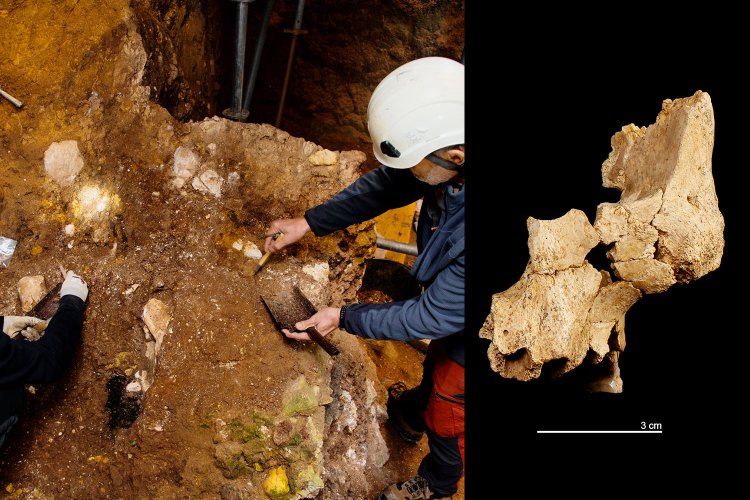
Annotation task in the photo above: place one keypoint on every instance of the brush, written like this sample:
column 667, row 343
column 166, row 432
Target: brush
column 262, row 261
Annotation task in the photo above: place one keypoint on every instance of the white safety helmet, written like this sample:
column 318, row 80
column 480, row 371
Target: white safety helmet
column 417, row 109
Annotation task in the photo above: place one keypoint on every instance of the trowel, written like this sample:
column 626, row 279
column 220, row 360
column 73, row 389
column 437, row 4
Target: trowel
column 288, row 307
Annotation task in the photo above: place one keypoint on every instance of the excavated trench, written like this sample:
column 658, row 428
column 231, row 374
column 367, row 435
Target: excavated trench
column 182, row 386
column 343, row 51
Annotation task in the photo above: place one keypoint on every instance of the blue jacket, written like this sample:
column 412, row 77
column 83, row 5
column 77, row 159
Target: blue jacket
column 438, row 313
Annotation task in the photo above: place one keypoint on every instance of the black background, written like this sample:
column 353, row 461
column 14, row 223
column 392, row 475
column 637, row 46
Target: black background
column 546, row 90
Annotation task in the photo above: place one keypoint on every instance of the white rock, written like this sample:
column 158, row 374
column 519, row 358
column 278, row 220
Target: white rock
column 237, row 245
column 209, row 182
column 323, row 157
column 134, row 386
column 156, row 316
column 252, row 251
column 211, row 148
column 144, row 378
column 63, row 162
column 318, row 271
column 185, row 164
column 348, row 412
column 233, row 179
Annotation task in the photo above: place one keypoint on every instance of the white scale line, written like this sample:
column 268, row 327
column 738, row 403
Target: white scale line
column 599, row 432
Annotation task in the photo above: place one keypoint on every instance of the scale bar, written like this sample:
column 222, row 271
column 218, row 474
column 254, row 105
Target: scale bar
column 599, row 432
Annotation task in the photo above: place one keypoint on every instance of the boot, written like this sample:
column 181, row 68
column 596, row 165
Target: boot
column 404, row 412
column 415, row 488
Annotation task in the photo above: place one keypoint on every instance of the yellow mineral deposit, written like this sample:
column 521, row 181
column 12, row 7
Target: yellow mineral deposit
column 276, row 484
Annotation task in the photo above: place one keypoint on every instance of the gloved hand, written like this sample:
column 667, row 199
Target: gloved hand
column 74, row 285
column 25, row 325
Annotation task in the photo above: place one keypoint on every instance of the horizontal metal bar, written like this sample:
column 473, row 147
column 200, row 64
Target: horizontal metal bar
column 396, row 246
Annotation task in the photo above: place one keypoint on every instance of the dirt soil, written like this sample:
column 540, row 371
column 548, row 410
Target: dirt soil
column 232, row 402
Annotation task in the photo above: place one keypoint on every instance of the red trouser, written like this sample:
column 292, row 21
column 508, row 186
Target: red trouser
column 443, row 467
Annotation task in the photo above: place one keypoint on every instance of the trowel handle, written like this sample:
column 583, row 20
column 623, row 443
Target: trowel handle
column 321, row 340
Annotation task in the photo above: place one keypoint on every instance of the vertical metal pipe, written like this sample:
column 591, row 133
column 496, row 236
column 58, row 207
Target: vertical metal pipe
column 256, row 57
column 295, row 33
column 298, row 15
column 239, row 60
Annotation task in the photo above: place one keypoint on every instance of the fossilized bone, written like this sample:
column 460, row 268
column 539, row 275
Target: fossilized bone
column 665, row 229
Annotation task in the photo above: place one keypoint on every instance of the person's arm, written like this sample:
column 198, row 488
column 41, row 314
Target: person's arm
column 437, row 313
column 43, row 361
column 369, row 196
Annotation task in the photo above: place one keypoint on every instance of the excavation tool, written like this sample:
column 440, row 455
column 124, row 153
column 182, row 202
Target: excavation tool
column 288, row 307
column 47, row 306
column 262, row 261
column 12, row 99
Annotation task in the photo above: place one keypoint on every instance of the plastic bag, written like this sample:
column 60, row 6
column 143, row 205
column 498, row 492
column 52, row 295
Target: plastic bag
column 7, row 247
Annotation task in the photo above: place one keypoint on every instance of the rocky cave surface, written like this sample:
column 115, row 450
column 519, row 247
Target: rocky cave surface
column 665, row 230
column 345, row 48
column 182, row 386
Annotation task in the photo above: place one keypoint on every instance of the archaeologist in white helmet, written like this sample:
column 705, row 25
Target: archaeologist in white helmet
column 27, row 359
column 416, row 123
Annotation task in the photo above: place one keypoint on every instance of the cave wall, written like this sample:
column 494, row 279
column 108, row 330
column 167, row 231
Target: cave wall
column 350, row 47
column 182, row 39
column 346, row 49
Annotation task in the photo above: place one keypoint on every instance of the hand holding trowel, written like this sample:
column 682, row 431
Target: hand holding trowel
column 288, row 308
column 290, row 230
column 275, row 236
